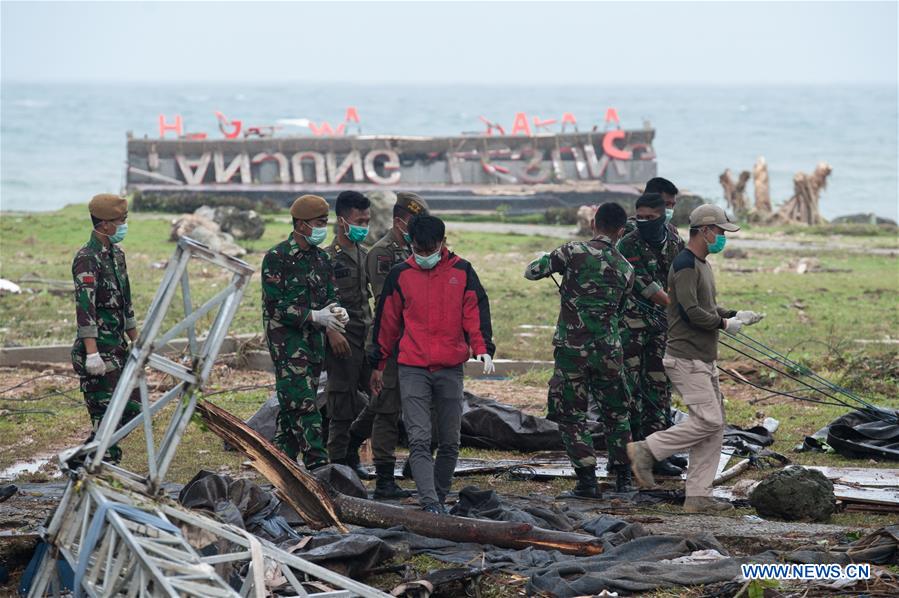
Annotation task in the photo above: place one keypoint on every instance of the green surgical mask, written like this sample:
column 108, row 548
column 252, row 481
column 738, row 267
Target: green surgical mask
column 120, row 232
column 427, row 262
column 357, row 234
column 718, row 245
column 669, row 214
column 318, row 235
column 407, row 238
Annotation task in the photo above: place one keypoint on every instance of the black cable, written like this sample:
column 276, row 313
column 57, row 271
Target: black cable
column 777, row 392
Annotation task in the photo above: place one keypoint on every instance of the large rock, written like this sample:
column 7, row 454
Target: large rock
column 382, row 203
column 794, row 493
column 863, row 219
column 241, row 224
column 584, row 220
column 207, row 232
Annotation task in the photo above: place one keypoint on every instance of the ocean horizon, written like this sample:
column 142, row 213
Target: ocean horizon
column 63, row 142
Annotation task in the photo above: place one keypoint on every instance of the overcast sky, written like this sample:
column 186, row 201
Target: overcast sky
column 496, row 43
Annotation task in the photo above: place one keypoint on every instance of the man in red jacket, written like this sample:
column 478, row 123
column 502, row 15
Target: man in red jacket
column 434, row 314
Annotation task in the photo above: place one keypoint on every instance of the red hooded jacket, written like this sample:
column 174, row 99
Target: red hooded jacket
column 433, row 319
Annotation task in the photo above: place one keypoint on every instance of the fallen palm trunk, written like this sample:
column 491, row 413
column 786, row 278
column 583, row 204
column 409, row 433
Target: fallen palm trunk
column 319, row 509
column 303, row 492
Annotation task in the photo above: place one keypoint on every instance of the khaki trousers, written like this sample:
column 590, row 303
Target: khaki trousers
column 702, row 433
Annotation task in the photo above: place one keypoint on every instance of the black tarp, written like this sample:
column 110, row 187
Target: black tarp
column 860, row 435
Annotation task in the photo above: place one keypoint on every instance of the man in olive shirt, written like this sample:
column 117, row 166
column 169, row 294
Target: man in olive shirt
column 345, row 357
column 380, row 420
column 694, row 319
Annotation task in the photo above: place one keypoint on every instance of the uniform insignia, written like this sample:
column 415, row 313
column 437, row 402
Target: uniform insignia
column 87, row 279
column 384, row 264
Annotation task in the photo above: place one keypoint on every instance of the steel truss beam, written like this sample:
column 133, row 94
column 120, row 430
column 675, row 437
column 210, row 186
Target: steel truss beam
column 113, row 526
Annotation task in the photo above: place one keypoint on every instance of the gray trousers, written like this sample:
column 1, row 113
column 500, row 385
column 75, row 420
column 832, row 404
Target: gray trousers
column 420, row 390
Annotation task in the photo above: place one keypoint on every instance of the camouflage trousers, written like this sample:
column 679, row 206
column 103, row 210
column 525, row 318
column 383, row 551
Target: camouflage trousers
column 649, row 386
column 299, row 420
column 98, row 390
column 581, row 376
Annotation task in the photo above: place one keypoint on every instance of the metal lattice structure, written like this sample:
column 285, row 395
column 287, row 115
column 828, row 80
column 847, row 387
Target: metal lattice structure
column 114, row 527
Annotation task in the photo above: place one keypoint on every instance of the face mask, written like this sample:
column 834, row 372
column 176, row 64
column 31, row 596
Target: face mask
column 718, row 245
column 318, row 235
column 356, row 234
column 426, row 262
column 669, row 214
column 120, row 232
column 407, row 238
column 652, row 231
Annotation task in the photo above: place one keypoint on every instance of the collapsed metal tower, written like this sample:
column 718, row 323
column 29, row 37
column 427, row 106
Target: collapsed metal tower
column 116, row 528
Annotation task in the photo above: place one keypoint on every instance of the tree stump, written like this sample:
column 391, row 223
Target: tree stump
column 802, row 208
column 735, row 192
column 761, row 190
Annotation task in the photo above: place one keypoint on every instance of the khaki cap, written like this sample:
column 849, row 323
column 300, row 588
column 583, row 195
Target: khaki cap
column 709, row 214
column 309, row 207
column 412, row 202
column 108, row 206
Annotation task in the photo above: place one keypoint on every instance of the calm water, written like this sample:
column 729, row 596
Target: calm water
column 62, row 143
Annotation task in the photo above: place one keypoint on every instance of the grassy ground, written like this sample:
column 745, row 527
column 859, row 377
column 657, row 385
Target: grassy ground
column 818, row 318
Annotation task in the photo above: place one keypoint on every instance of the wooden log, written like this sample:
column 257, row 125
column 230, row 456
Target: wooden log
column 505, row 534
column 735, row 192
column 321, row 507
column 760, row 188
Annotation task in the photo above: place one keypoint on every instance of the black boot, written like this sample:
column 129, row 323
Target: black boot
column 623, row 480
column 386, row 486
column 352, row 457
column 666, row 467
column 586, row 486
column 678, row 461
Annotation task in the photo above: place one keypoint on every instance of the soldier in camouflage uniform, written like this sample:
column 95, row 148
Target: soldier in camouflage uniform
column 650, row 249
column 588, row 356
column 380, row 420
column 298, row 303
column 345, row 360
column 104, row 313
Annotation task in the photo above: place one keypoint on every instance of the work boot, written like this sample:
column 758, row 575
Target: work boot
column 385, row 485
column 352, row 460
column 623, row 480
column 678, row 461
column 586, row 486
column 641, row 463
column 667, row 468
column 707, row 505
column 434, row 507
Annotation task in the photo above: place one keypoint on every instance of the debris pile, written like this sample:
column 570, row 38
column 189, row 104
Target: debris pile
column 794, row 493
column 240, row 224
column 207, row 232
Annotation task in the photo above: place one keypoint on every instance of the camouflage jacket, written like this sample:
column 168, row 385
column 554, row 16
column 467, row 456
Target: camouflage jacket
column 293, row 283
column 596, row 280
column 351, row 280
column 102, row 294
column 651, row 265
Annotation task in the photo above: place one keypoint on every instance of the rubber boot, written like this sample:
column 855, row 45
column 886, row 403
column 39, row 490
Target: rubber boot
column 667, row 468
column 623, row 480
column 352, row 457
column 385, row 484
column 678, row 461
column 586, row 486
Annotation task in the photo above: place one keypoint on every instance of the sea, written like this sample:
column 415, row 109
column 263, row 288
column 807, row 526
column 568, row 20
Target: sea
column 63, row 142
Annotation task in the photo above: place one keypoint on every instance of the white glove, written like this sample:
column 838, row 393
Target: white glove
column 733, row 325
column 489, row 368
column 342, row 316
column 749, row 317
column 326, row 317
column 94, row 364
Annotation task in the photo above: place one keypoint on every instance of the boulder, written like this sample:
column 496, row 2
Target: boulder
column 584, row 220
column 863, row 219
column 207, row 232
column 382, row 203
column 241, row 224
column 794, row 493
